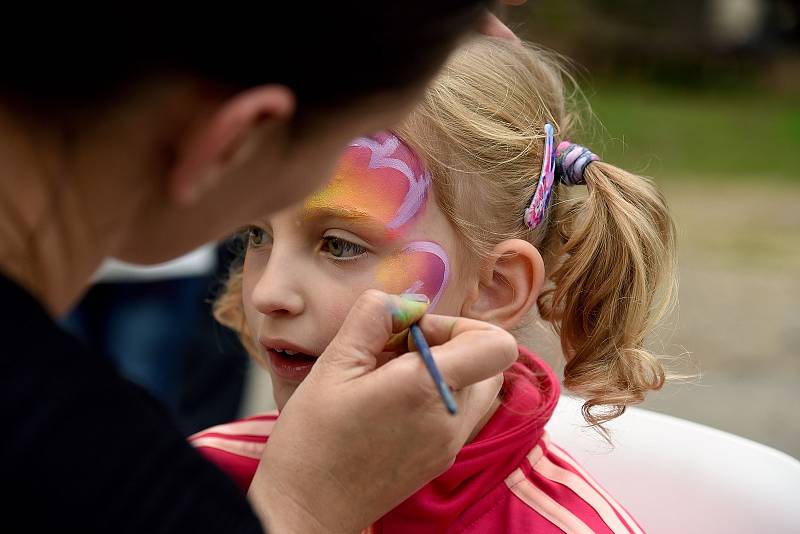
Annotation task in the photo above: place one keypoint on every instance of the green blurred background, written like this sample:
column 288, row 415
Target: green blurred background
column 704, row 96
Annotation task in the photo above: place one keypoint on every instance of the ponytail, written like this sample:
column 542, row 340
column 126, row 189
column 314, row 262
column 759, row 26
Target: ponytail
column 614, row 281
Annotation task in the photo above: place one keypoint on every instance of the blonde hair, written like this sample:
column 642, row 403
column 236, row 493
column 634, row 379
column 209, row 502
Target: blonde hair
column 609, row 255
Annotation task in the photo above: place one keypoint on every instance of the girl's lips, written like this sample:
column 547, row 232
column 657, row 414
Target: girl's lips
column 294, row 368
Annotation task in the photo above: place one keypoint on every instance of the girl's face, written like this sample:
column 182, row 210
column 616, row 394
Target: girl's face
column 375, row 225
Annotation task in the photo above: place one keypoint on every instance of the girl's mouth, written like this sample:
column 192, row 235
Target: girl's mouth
column 289, row 364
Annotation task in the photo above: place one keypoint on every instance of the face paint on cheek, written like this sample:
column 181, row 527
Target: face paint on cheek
column 421, row 267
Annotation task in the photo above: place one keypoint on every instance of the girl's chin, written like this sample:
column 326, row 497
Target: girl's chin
column 282, row 393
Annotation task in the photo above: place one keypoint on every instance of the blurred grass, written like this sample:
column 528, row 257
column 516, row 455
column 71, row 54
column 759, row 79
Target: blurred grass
column 675, row 134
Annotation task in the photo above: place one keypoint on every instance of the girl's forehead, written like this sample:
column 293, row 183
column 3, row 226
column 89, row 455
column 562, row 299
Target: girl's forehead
column 379, row 175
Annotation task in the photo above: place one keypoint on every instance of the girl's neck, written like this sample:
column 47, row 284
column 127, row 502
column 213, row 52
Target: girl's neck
column 484, row 420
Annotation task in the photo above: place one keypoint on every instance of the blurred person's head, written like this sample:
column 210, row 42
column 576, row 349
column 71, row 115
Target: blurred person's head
column 438, row 206
column 156, row 131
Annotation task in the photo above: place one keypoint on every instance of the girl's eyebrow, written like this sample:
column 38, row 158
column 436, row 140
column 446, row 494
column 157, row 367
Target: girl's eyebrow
column 340, row 212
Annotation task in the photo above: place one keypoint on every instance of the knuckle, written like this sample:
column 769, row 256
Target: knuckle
column 371, row 300
column 372, row 307
column 506, row 344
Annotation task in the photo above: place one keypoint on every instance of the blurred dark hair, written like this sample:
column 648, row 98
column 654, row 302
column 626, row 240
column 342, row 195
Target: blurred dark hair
column 328, row 53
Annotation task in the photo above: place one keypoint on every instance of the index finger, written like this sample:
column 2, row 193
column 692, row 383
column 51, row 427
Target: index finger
column 439, row 329
column 467, row 351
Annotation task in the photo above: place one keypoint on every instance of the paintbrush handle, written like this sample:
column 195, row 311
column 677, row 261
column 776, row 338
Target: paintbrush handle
column 425, row 350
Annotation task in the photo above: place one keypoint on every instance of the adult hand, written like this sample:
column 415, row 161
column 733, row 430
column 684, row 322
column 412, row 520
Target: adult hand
column 355, row 440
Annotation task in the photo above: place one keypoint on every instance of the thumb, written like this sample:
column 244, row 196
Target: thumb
column 372, row 320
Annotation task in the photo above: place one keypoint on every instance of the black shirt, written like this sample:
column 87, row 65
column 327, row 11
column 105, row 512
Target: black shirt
column 84, row 450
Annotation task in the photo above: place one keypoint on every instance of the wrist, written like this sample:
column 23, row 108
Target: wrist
column 282, row 513
column 285, row 506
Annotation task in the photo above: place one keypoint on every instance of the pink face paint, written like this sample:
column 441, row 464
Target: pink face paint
column 379, row 175
column 420, row 267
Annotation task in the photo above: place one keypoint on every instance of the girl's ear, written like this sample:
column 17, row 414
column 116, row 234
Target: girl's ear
column 508, row 284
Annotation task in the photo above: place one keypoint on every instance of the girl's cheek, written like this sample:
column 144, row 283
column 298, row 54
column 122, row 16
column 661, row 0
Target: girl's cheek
column 250, row 313
column 335, row 300
column 420, row 267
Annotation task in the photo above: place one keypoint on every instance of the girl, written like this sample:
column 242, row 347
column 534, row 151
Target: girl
column 468, row 204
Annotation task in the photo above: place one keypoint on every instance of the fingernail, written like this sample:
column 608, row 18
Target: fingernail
column 416, row 297
column 407, row 311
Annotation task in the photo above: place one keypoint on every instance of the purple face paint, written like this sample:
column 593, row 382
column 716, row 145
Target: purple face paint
column 420, row 267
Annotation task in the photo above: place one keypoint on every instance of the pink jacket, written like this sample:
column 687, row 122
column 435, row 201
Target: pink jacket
column 509, row 479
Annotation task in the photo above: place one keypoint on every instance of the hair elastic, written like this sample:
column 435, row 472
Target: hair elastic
column 568, row 163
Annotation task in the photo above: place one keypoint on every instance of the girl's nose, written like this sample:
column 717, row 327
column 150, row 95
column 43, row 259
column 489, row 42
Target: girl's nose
column 276, row 292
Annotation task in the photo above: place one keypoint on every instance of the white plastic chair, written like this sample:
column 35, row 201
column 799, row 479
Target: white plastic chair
column 675, row 476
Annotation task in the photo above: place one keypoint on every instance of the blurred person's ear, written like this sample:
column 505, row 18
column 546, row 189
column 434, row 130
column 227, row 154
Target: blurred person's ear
column 492, row 26
column 224, row 137
column 508, row 284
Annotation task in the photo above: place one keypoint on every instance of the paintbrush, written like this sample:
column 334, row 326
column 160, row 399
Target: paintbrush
column 425, row 350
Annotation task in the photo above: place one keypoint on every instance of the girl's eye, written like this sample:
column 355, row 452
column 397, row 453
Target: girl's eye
column 341, row 248
column 257, row 237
